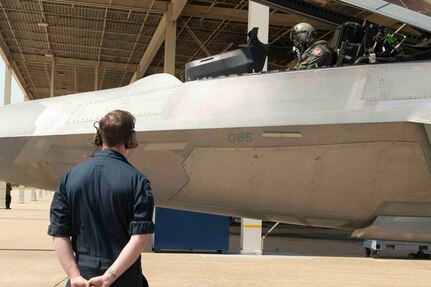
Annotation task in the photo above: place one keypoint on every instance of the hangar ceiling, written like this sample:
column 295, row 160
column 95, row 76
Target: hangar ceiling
column 101, row 44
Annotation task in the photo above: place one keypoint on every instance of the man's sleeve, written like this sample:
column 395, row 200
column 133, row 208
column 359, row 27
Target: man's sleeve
column 60, row 214
column 143, row 206
column 318, row 57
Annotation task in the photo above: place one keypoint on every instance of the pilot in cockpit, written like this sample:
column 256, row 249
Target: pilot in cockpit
column 309, row 52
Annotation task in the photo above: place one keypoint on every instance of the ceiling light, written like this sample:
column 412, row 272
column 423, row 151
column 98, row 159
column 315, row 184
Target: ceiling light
column 42, row 24
column 49, row 55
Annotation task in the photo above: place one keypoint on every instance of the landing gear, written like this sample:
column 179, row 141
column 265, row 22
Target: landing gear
column 372, row 248
column 417, row 250
column 419, row 255
column 375, row 254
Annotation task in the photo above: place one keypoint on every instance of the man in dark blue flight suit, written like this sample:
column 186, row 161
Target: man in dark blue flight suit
column 310, row 53
column 101, row 214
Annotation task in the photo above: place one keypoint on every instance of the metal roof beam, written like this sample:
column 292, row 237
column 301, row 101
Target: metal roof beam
column 70, row 28
column 63, row 44
column 141, row 5
column 65, row 16
column 72, row 37
column 17, row 57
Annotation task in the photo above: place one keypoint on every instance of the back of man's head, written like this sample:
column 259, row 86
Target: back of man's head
column 116, row 127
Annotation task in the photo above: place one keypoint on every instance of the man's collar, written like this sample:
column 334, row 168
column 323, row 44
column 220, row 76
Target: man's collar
column 111, row 153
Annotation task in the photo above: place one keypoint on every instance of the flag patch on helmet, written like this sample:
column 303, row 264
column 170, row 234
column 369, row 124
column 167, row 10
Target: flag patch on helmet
column 317, row 51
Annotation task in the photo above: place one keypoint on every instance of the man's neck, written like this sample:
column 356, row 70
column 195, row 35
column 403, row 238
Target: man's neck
column 120, row 148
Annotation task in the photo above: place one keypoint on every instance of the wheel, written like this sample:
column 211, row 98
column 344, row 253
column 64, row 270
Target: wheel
column 367, row 252
column 420, row 255
column 375, row 254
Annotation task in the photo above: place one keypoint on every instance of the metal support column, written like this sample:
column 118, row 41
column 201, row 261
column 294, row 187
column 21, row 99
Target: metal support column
column 51, row 94
column 251, row 236
column 21, row 194
column 251, row 229
column 6, row 101
column 96, row 77
column 170, row 41
column 33, row 195
column 2, row 195
column 7, row 85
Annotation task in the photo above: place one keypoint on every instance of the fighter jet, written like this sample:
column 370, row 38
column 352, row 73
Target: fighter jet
column 344, row 147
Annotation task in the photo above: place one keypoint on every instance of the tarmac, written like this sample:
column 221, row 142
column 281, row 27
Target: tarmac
column 293, row 256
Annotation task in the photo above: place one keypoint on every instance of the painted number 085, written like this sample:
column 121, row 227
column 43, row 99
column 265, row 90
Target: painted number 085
column 240, row 137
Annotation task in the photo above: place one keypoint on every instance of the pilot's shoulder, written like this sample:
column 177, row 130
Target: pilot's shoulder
column 320, row 49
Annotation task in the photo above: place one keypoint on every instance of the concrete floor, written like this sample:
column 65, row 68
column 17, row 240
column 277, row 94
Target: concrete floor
column 293, row 256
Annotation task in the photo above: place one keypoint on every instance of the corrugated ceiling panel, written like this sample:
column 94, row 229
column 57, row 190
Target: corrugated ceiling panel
column 126, row 37
column 7, row 34
column 32, row 44
column 74, row 40
column 24, row 16
column 149, row 30
column 121, row 26
column 75, row 32
column 31, row 36
column 64, row 77
column 111, row 79
column 85, row 79
column 88, row 11
column 127, row 76
column 75, row 55
column 232, row 4
column 116, row 53
column 153, row 19
column 76, row 10
column 116, row 14
column 75, row 49
column 79, row 23
column 12, row 43
column 115, row 58
column 58, row 8
column 109, row 44
column 137, row 56
column 196, row 23
column 40, row 73
column 28, row 50
column 25, row 5
column 182, row 59
column 137, row 16
column 21, row 26
column 187, row 49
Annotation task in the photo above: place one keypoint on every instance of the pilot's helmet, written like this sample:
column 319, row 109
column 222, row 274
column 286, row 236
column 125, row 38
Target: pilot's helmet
column 302, row 35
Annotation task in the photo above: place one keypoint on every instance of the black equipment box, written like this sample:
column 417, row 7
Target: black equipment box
column 245, row 60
